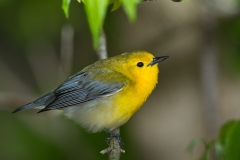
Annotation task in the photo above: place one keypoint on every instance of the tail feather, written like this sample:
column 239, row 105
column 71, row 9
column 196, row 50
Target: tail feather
column 43, row 101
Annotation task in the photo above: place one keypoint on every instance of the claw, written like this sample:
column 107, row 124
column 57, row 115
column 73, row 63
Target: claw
column 114, row 135
column 108, row 140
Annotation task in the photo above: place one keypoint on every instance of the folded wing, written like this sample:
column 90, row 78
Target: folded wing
column 83, row 87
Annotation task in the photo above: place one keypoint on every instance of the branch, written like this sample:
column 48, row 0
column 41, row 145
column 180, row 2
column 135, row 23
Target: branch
column 102, row 49
column 114, row 150
column 209, row 75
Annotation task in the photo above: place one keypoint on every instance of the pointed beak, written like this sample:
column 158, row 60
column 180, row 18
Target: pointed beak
column 157, row 60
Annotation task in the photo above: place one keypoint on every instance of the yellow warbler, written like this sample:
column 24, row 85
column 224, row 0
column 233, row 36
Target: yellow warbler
column 104, row 95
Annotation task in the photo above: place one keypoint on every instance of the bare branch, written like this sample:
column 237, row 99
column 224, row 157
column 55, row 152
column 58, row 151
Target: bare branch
column 114, row 150
column 102, row 50
column 209, row 71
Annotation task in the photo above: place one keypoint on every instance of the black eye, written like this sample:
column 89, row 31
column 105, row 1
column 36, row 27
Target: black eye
column 140, row 64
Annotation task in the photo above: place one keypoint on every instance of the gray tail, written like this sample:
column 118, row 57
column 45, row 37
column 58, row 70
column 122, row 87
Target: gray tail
column 43, row 101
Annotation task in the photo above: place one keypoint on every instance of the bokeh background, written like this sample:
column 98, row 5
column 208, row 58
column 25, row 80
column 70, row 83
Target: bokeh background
column 198, row 89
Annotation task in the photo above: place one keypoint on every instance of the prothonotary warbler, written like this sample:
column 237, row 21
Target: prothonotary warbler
column 104, row 95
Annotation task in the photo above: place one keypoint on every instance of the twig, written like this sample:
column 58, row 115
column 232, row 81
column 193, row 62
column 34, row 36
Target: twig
column 102, row 49
column 114, row 150
column 209, row 70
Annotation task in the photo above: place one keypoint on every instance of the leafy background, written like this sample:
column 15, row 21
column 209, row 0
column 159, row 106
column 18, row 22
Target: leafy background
column 198, row 87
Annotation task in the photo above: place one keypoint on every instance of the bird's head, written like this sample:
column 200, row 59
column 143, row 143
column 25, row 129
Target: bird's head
column 141, row 64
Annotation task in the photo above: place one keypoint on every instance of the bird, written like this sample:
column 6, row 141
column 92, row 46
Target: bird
column 104, row 95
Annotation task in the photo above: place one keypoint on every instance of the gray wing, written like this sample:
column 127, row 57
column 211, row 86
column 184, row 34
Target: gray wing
column 81, row 88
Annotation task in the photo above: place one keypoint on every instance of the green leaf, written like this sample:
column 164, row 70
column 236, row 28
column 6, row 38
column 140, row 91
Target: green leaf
column 192, row 145
column 219, row 150
column 226, row 145
column 96, row 11
column 229, row 138
column 208, row 150
column 116, row 4
column 130, row 7
column 65, row 6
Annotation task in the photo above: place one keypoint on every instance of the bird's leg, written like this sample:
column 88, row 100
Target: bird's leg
column 114, row 135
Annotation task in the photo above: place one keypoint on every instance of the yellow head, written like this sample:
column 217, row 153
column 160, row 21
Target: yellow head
column 139, row 66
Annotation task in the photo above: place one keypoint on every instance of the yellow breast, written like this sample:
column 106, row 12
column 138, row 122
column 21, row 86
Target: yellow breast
column 132, row 97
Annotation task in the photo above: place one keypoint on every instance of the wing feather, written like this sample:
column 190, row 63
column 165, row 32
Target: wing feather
column 82, row 88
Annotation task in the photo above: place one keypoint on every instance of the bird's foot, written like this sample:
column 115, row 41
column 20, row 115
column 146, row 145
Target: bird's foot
column 114, row 135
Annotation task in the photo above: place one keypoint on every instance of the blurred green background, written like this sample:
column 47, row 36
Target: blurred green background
column 198, row 89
